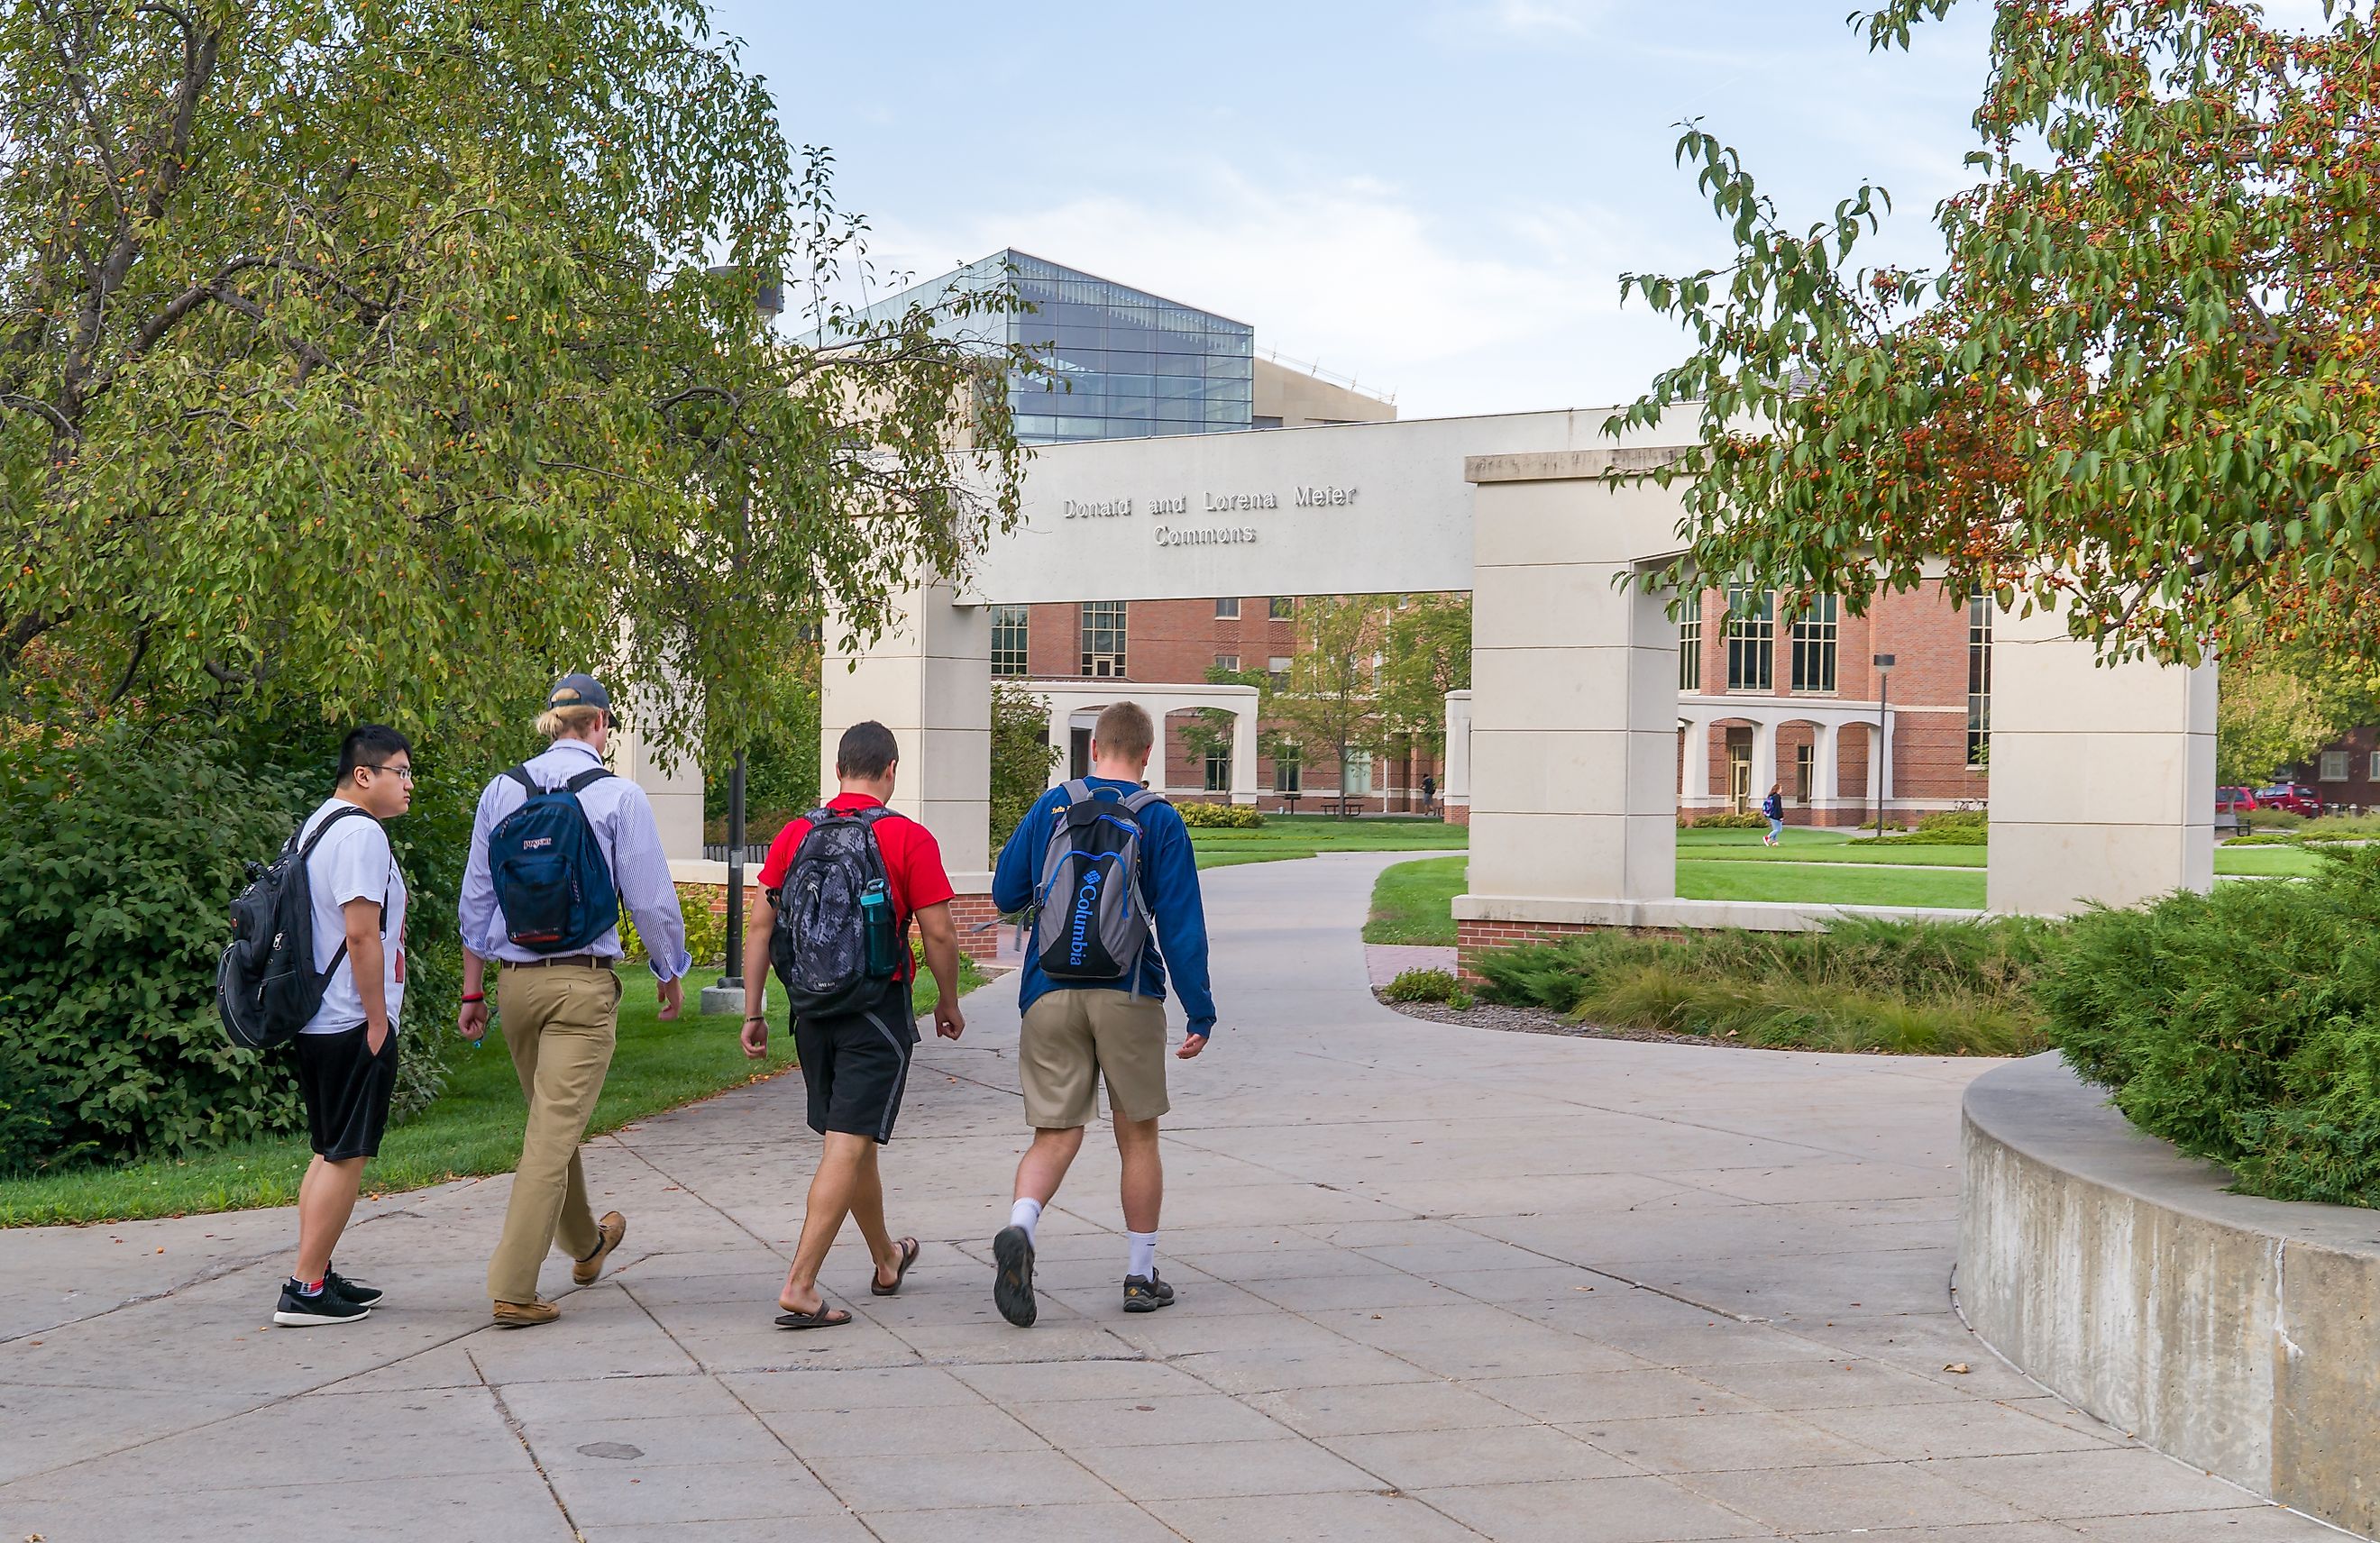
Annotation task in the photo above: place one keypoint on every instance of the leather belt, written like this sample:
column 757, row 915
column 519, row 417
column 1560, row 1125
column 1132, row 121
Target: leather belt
column 579, row 961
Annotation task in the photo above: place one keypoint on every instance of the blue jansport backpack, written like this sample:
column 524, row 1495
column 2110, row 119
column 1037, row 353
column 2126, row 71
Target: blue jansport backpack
column 819, row 944
column 1089, row 923
column 551, row 880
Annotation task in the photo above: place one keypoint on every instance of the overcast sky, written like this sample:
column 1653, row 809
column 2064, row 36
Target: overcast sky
column 1435, row 197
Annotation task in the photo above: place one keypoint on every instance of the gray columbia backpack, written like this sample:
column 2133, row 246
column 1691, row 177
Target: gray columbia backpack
column 1090, row 923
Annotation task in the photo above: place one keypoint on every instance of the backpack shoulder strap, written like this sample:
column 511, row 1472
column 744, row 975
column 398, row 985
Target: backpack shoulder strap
column 1140, row 798
column 1077, row 790
column 587, row 779
column 529, row 784
column 329, row 819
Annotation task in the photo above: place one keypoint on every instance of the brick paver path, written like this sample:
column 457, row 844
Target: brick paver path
column 1436, row 1283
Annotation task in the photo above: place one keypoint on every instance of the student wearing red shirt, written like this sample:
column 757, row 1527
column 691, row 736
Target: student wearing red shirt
column 855, row 1064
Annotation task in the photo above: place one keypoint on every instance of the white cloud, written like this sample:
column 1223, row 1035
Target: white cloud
column 1352, row 274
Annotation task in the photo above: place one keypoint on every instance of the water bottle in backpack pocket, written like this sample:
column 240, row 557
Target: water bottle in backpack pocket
column 835, row 944
column 552, row 883
column 1090, row 923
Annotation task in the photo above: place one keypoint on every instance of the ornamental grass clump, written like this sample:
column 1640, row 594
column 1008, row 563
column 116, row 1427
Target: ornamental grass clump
column 1912, row 988
column 2242, row 1026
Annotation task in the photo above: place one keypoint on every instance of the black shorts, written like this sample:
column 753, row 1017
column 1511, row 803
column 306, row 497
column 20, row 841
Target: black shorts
column 856, row 1064
column 346, row 1089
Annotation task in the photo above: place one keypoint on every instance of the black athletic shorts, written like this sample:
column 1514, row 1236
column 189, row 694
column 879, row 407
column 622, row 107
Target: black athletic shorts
column 346, row 1089
column 856, row 1064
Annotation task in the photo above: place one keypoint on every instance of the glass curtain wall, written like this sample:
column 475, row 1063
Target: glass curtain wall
column 1123, row 364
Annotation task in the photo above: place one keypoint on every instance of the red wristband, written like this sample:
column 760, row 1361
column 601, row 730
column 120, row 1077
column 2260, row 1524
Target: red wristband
column 476, row 996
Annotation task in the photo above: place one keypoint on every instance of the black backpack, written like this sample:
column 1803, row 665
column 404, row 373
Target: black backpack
column 266, row 986
column 551, row 878
column 1091, row 923
column 819, row 946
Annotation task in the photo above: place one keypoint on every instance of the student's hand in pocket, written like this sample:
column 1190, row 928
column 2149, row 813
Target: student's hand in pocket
column 376, row 1036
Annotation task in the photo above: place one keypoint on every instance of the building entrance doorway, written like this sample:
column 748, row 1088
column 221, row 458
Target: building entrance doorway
column 1078, row 753
column 1739, row 771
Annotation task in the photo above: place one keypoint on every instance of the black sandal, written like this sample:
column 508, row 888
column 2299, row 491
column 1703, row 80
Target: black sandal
column 825, row 1318
column 910, row 1250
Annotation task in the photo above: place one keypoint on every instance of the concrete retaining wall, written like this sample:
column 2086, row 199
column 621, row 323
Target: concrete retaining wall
column 2238, row 1334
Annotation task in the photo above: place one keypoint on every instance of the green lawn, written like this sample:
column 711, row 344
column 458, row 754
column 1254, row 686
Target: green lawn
column 1284, row 836
column 1819, row 846
column 2266, row 862
column 1813, row 884
column 475, row 1128
column 1413, row 903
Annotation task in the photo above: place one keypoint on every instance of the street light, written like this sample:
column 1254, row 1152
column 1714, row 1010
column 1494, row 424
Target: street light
column 1883, row 662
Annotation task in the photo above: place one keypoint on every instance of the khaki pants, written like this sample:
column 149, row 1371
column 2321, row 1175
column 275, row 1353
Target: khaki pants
column 1074, row 1034
column 561, row 1023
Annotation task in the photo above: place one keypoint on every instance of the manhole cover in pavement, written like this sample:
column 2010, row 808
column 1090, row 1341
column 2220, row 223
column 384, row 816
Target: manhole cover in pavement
column 610, row 1449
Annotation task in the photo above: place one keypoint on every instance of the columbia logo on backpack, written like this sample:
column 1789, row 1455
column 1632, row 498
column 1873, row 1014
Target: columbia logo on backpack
column 1095, row 840
column 552, row 883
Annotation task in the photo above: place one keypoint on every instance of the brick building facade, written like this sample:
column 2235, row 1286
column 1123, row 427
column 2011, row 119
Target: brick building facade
column 1773, row 695
column 1177, row 642
column 1808, row 685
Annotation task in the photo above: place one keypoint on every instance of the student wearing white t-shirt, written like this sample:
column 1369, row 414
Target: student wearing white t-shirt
column 347, row 1054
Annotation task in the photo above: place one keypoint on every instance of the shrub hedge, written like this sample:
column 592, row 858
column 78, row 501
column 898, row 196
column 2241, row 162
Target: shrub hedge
column 2242, row 1026
column 1422, row 985
column 1219, row 817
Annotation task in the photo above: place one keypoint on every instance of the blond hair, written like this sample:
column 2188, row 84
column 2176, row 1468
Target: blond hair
column 1124, row 729
column 578, row 721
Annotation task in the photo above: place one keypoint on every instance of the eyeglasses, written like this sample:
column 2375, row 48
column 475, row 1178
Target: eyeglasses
column 403, row 772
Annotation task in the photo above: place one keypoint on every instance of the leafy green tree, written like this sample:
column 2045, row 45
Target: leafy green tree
column 1333, row 702
column 1021, row 755
column 2284, row 701
column 1425, row 652
column 377, row 357
column 2142, row 380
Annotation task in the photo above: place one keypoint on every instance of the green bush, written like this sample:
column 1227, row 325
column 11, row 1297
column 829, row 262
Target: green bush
column 1219, row 817
column 706, row 931
column 1724, row 822
column 1422, row 985
column 117, row 864
column 1925, row 988
column 1946, row 828
column 2242, row 1026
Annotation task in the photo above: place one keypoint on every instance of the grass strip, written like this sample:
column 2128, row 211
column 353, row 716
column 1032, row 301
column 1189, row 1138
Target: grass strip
column 473, row 1129
column 1413, row 903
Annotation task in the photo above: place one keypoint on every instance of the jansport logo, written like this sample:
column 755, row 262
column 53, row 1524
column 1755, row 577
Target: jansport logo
column 535, row 842
column 1087, row 900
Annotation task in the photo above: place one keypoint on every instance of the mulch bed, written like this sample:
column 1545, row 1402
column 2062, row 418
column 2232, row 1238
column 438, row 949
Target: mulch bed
column 1537, row 1020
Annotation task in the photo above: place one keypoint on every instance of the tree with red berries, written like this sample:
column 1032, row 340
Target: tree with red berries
column 2141, row 385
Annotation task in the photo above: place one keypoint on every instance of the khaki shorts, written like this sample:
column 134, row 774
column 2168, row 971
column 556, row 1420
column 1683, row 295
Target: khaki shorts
column 1069, row 1035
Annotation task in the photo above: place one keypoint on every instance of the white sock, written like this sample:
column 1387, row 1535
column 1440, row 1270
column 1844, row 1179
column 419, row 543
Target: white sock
column 1143, row 1255
column 1027, row 1213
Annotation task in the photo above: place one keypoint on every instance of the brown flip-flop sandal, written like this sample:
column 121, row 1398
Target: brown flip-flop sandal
column 910, row 1250
column 825, row 1318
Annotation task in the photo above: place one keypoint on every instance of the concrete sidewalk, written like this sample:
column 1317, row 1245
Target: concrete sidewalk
column 1436, row 1284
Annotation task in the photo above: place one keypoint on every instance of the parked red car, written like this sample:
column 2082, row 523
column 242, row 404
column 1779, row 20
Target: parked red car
column 2296, row 797
column 2234, row 800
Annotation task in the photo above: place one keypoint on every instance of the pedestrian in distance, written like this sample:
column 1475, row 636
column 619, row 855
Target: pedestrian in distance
column 347, row 1052
column 559, row 846
column 838, row 892
column 1095, row 862
column 1772, row 810
column 1429, row 792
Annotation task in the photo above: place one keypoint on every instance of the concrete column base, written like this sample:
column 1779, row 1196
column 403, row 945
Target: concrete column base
column 716, row 1000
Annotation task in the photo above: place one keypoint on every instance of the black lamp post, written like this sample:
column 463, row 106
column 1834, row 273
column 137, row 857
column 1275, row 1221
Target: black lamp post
column 1883, row 662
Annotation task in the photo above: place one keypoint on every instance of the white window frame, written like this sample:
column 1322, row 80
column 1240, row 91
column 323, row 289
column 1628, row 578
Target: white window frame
column 2334, row 767
column 1227, row 608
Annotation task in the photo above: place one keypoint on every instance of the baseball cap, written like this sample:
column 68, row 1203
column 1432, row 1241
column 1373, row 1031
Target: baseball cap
column 577, row 690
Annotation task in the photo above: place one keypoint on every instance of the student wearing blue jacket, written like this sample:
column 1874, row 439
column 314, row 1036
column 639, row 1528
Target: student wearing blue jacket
column 1076, row 1030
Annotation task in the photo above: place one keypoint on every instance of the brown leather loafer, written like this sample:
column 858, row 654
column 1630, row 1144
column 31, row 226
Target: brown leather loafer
column 525, row 1315
column 612, row 1229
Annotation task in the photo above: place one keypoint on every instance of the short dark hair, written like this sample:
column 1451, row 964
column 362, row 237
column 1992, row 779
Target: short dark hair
column 370, row 745
column 868, row 750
